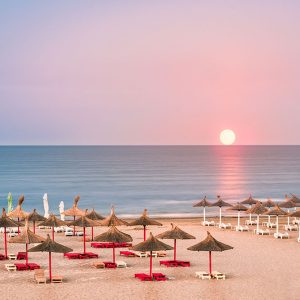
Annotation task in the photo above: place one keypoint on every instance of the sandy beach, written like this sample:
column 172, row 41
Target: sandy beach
column 259, row 267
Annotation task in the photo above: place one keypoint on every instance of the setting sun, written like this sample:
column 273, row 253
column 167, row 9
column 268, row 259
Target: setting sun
column 227, row 137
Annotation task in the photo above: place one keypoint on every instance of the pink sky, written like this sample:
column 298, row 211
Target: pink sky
column 162, row 72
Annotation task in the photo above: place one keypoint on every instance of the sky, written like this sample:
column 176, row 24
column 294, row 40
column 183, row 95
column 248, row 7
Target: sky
column 149, row 72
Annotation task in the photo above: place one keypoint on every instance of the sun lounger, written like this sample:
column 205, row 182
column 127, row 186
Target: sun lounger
column 271, row 225
column 21, row 267
column 98, row 265
column 296, row 221
column 121, row 264
column 217, row 275
column 225, row 225
column 241, row 228
column 21, row 255
column 10, row 267
column 59, row 229
column 110, row 265
column 208, row 223
column 92, row 255
column 39, row 276
column 127, row 253
column 252, row 222
column 45, row 227
column 161, row 253
column 2, row 257
column 159, row 277
column 33, row 266
column 140, row 254
column 203, row 275
column 12, row 234
column 72, row 255
column 12, row 257
column 143, row 277
column 154, row 254
column 13, row 229
column 262, row 231
column 291, row 227
column 281, row 235
column 57, row 279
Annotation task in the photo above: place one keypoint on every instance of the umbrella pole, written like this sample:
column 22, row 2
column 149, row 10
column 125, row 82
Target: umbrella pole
column 92, row 233
column 288, row 218
column 33, row 226
column 210, row 264
column 114, row 254
column 238, row 219
column 26, row 254
column 250, row 218
column 257, row 225
column 52, row 233
column 277, row 225
column 204, row 214
column 83, row 240
column 220, row 221
column 50, row 267
column 144, row 232
column 269, row 219
column 151, row 264
column 18, row 225
column 5, row 243
column 174, row 249
column 74, row 227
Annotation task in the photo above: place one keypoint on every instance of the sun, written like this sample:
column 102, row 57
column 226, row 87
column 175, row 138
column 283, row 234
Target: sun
column 227, row 137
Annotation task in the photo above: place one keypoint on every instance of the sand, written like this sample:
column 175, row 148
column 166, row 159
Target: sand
column 259, row 267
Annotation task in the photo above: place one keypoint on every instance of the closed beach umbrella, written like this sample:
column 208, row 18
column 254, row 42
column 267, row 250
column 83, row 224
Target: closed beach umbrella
column 61, row 208
column 269, row 203
column 26, row 237
column 258, row 209
column 113, row 220
column 35, row 217
column 144, row 221
column 151, row 244
column 210, row 244
column 175, row 234
column 74, row 211
column 18, row 213
column 52, row 222
column 277, row 211
column 220, row 203
column 238, row 207
column 203, row 203
column 250, row 201
column 9, row 202
column 46, row 205
column 113, row 235
column 6, row 222
column 296, row 214
column 288, row 204
column 84, row 222
column 93, row 215
column 51, row 247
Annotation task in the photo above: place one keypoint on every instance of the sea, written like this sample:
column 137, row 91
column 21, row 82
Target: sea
column 167, row 180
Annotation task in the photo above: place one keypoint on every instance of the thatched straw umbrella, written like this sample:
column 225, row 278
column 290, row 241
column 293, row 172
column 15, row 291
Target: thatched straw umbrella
column 250, row 201
column 93, row 215
column 74, row 211
column 296, row 214
column 6, row 222
column 295, row 199
column 258, row 209
column 151, row 244
column 277, row 211
column 18, row 213
column 175, row 234
column 220, row 203
column 144, row 221
column 238, row 207
column 113, row 235
column 84, row 222
column 269, row 203
column 52, row 222
column 203, row 203
column 26, row 237
column 35, row 217
column 51, row 247
column 113, row 220
column 210, row 244
column 288, row 204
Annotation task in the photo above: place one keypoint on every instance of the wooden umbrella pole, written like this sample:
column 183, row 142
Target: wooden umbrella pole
column 220, row 221
column 210, row 264
column 277, row 225
column 53, row 233
column 238, row 219
column 18, row 225
column 204, row 214
column 83, row 240
column 5, row 242
column 144, row 232
column 257, row 225
column 92, row 233
column 50, row 267
column 174, row 249
column 26, row 254
column 33, row 226
column 151, row 264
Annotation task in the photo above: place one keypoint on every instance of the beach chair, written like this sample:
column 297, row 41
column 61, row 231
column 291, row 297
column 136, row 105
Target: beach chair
column 33, row 266
column 291, row 227
column 21, row 255
column 12, row 234
column 12, row 257
column 242, row 228
column 21, row 267
column 110, row 265
column 252, row 222
column 127, row 253
column 58, row 229
column 296, row 222
column 271, row 225
column 91, row 255
column 281, row 235
column 159, row 277
column 161, row 253
column 39, row 276
column 69, row 233
column 154, row 254
column 225, row 225
column 140, row 254
column 10, row 267
column 98, row 265
column 143, row 277
column 208, row 223
column 2, row 257
column 57, row 279
column 121, row 264
column 203, row 275
column 79, row 233
column 217, row 275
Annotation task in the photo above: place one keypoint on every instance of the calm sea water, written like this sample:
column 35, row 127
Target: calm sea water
column 164, row 179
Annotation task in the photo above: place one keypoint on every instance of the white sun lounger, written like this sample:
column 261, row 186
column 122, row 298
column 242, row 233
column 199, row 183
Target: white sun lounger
column 59, row 229
column 208, row 223
column 140, row 254
column 271, row 225
column 203, row 275
column 121, row 264
column 262, row 231
column 291, row 227
column 296, row 221
column 241, row 228
column 281, row 235
column 225, row 225
column 10, row 267
column 252, row 222
column 218, row 275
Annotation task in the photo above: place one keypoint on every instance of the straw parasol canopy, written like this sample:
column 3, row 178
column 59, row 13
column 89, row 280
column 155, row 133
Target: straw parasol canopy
column 175, row 234
column 26, row 237
column 6, row 222
column 220, row 203
column 113, row 220
column 84, row 221
column 210, row 244
column 250, row 201
column 74, row 211
column 93, row 215
column 113, row 235
column 269, row 203
column 295, row 199
column 35, row 217
column 144, row 221
column 50, row 246
column 277, row 211
column 238, row 207
column 52, row 221
column 203, row 203
column 258, row 209
column 287, row 204
column 151, row 244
